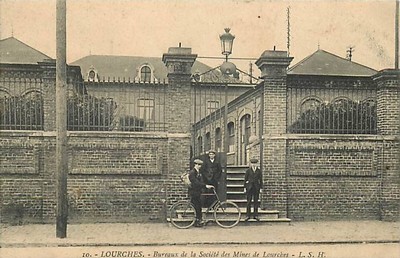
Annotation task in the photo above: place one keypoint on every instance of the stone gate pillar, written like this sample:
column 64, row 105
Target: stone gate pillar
column 179, row 62
column 273, row 65
column 388, row 125
column 48, row 67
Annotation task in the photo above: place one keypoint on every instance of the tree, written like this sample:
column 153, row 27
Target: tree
column 89, row 113
column 22, row 112
column 343, row 116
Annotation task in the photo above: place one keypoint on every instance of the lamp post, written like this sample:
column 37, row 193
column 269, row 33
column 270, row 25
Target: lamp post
column 226, row 68
column 226, row 43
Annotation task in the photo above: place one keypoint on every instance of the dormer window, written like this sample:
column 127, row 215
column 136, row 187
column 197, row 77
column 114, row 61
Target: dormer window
column 145, row 73
column 92, row 75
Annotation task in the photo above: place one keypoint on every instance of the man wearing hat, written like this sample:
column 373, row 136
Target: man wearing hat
column 197, row 186
column 211, row 172
column 252, row 184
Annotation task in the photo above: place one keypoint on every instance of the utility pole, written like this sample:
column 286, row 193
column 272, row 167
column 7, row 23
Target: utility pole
column 396, row 58
column 251, row 72
column 350, row 52
column 288, row 30
column 61, row 120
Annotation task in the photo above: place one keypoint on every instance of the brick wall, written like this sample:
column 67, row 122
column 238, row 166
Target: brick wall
column 334, row 178
column 126, row 187
column 112, row 176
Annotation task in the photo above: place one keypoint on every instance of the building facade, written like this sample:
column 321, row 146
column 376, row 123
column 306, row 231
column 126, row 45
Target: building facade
column 327, row 138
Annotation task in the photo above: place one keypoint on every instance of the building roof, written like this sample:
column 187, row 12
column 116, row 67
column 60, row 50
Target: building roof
column 13, row 51
column 109, row 66
column 322, row 62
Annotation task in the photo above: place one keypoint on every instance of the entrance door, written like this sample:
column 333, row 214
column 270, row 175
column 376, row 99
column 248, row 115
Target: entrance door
column 245, row 130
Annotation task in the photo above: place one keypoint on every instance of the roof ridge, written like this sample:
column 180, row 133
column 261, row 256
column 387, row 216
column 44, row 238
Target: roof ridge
column 122, row 56
column 344, row 66
column 12, row 37
column 302, row 61
column 344, row 59
column 118, row 56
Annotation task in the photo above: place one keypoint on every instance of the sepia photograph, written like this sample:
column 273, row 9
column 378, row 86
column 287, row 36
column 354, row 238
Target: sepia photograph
column 199, row 128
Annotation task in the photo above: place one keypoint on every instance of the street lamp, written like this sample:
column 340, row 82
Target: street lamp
column 227, row 68
column 226, row 43
column 227, row 38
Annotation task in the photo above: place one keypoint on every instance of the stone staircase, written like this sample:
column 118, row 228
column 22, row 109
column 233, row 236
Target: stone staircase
column 235, row 193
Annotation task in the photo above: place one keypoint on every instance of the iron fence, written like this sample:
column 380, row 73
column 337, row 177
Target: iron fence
column 21, row 104
column 118, row 105
column 346, row 109
column 109, row 105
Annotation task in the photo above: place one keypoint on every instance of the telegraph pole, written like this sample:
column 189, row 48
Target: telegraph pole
column 288, row 30
column 350, row 52
column 396, row 58
column 61, row 120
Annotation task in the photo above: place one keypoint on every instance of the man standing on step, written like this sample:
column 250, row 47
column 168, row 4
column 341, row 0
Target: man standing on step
column 211, row 172
column 253, row 183
column 195, row 190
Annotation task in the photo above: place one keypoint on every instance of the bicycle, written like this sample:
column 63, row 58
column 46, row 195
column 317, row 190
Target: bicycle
column 226, row 214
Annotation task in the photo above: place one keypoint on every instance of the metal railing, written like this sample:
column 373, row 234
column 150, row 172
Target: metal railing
column 109, row 105
column 21, row 104
column 118, row 105
column 331, row 110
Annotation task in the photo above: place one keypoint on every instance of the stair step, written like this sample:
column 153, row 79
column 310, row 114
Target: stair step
column 235, row 185
column 241, row 171
column 235, row 179
column 243, row 210
column 242, row 220
column 237, row 201
column 280, row 220
column 236, row 192
column 238, row 167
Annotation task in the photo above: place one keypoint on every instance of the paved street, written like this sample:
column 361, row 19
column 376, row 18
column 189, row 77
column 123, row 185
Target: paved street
column 324, row 239
column 130, row 234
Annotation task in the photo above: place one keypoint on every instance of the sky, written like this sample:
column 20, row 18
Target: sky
column 149, row 28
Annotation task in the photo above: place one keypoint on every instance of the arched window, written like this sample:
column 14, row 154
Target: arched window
column 311, row 103
column 231, row 137
column 92, row 75
column 207, row 144
column 145, row 74
column 218, row 139
column 199, row 145
column 245, row 131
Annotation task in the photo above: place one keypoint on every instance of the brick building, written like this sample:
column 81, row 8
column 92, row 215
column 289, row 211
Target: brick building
column 325, row 167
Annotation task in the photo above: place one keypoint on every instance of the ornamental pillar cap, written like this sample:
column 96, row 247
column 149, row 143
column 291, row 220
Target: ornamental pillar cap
column 270, row 60
column 387, row 74
column 179, row 53
column 179, row 60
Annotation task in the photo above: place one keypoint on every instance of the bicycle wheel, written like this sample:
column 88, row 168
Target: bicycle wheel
column 182, row 214
column 227, row 214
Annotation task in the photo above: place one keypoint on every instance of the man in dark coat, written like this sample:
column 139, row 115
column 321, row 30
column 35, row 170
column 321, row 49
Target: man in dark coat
column 252, row 184
column 196, row 188
column 212, row 169
column 211, row 172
